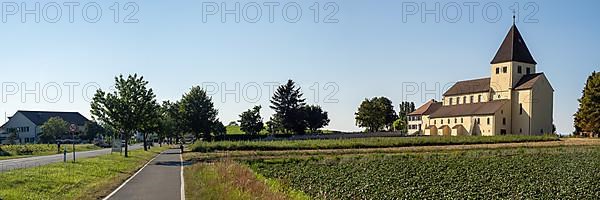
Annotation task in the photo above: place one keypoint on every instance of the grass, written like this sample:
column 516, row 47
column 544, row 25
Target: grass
column 89, row 178
column 231, row 181
column 18, row 151
column 516, row 173
column 361, row 143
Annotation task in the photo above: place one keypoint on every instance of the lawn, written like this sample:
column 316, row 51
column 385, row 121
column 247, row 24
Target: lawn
column 89, row 178
column 20, row 151
column 516, row 173
column 361, row 143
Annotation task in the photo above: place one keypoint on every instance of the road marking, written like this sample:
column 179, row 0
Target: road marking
column 127, row 181
column 182, row 179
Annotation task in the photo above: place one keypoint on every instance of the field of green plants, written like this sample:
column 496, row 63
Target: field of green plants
column 519, row 173
column 376, row 142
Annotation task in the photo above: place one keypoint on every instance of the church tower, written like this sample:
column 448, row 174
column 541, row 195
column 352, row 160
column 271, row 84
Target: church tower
column 512, row 61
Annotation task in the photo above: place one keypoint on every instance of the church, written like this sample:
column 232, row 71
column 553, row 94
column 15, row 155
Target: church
column 514, row 99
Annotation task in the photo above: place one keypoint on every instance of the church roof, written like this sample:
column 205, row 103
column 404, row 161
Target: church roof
column 471, row 109
column 469, row 87
column 527, row 81
column 427, row 108
column 513, row 48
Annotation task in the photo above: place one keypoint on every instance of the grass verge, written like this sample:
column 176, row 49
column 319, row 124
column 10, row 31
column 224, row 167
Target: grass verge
column 29, row 150
column 89, row 178
column 362, row 143
column 232, row 181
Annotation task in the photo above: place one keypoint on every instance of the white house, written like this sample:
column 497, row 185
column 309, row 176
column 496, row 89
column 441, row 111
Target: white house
column 27, row 124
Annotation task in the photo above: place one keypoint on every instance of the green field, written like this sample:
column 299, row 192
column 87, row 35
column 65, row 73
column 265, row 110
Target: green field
column 518, row 173
column 89, row 178
column 19, row 151
column 361, row 143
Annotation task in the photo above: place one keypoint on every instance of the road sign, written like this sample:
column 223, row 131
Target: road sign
column 73, row 128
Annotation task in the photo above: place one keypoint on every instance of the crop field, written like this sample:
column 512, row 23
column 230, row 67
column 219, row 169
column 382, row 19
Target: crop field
column 515, row 173
column 381, row 142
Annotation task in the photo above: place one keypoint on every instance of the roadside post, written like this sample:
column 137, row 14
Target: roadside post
column 65, row 154
column 73, row 129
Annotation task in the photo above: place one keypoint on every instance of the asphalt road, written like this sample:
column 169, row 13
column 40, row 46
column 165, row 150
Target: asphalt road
column 6, row 165
column 161, row 179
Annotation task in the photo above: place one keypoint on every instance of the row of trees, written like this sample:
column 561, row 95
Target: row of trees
column 378, row 114
column 587, row 118
column 292, row 115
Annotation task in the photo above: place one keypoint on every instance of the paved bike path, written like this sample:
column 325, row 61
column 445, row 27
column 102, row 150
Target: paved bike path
column 160, row 179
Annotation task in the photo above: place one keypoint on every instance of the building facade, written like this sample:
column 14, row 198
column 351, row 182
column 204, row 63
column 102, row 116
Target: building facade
column 515, row 99
column 27, row 124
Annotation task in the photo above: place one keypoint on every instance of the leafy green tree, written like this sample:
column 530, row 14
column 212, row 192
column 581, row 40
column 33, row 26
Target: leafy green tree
column 274, row 125
column 91, row 130
column 128, row 108
column 316, row 118
column 218, row 128
column 405, row 109
column 587, row 118
column 233, row 123
column 198, row 113
column 376, row 114
column 53, row 129
column 288, row 103
column 13, row 136
column 167, row 125
column 251, row 122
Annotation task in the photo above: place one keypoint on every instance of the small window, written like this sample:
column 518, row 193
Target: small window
column 465, row 99
column 442, row 121
column 434, row 122
column 528, row 70
column 451, row 101
column 461, row 120
column 448, row 121
column 519, row 70
column 471, row 98
column 503, row 121
column 488, row 121
column 455, row 120
column 520, row 130
column 504, row 69
column 479, row 98
column 497, row 70
column 520, row 109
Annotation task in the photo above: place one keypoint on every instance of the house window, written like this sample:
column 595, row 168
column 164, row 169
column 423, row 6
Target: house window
column 464, row 99
column 497, row 70
column 488, row 121
column 471, row 98
column 504, row 121
column 451, row 101
column 479, row 98
column 519, row 69
column 520, row 130
column 448, row 121
column 504, row 69
column 528, row 70
column 461, row 120
column 520, row 109
column 455, row 120
column 442, row 121
column 434, row 122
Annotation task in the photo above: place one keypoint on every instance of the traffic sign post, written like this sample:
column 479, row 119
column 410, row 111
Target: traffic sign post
column 73, row 129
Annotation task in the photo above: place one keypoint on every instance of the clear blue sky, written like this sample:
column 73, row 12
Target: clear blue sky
column 371, row 51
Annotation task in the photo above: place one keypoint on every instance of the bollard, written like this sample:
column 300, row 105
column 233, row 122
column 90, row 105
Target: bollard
column 65, row 154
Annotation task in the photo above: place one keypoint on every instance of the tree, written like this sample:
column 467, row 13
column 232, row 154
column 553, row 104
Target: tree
column 233, row 123
column 91, row 130
column 12, row 136
column 587, row 118
column 218, row 128
column 376, row 114
column 167, row 127
column 288, row 103
column 274, row 125
column 198, row 113
column 400, row 124
column 405, row 108
column 126, row 109
column 53, row 129
column 316, row 118
column 251, row 122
